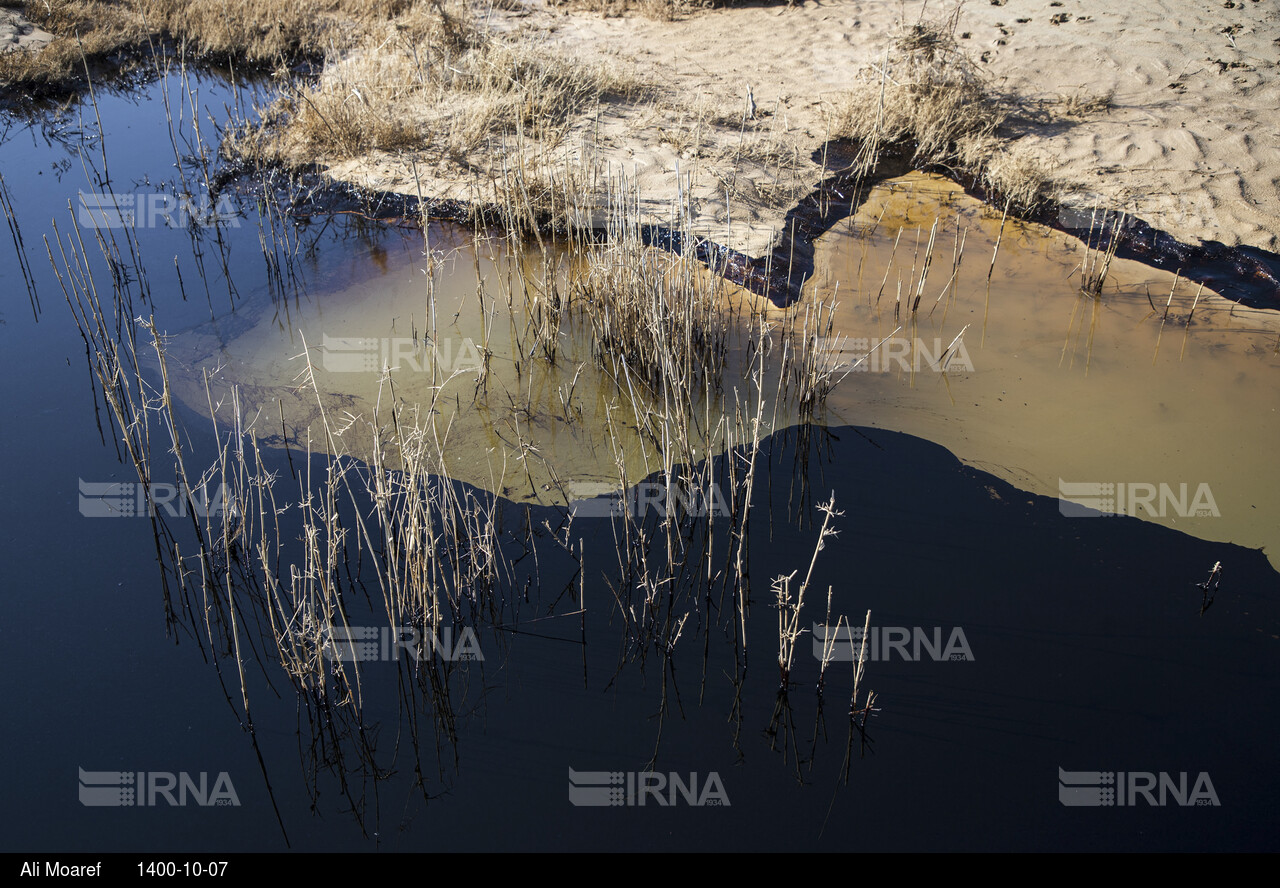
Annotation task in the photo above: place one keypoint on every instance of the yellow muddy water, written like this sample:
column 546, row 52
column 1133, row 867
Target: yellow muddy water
column 412, row 329
column 1131, row 402
column 1055, row 390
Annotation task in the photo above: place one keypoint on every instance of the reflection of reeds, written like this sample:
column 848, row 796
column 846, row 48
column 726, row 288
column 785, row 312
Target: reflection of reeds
column 809, row 362
column 434, row 548
column 1165, row 317
column 1186, row 330
column 1209, row 588
column 15, row 232
column 859, row 714
column 382, row 529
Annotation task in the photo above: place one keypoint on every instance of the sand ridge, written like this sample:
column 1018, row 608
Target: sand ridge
column 1189, row 141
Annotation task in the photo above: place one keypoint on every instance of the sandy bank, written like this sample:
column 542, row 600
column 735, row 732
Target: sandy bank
column 1187, row 141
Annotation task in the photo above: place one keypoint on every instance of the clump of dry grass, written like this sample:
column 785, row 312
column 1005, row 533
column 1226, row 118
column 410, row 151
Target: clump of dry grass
column 663, row 10
column 927, row 92
column 262, row 31
column 82, row 29
column 1017, row 176
column 431, row 80
column 259, row 32
column 1081, row 104
column 655, row 316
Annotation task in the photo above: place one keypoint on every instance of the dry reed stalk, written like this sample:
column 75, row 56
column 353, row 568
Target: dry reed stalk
column 986, row 308
column 1097, row 263
column 788, row 612
column 1186, row 330
column 1165, row 317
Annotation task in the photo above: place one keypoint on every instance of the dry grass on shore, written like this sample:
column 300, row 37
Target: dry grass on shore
column 431, row 83
column 258, row 32
column 400, row 75
column 664, row 10
column 82, row 29
column 432, row 80
column 930, row 93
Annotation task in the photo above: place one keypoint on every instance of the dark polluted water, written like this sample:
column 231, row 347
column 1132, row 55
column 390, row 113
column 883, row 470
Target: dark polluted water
column 1043, row 679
